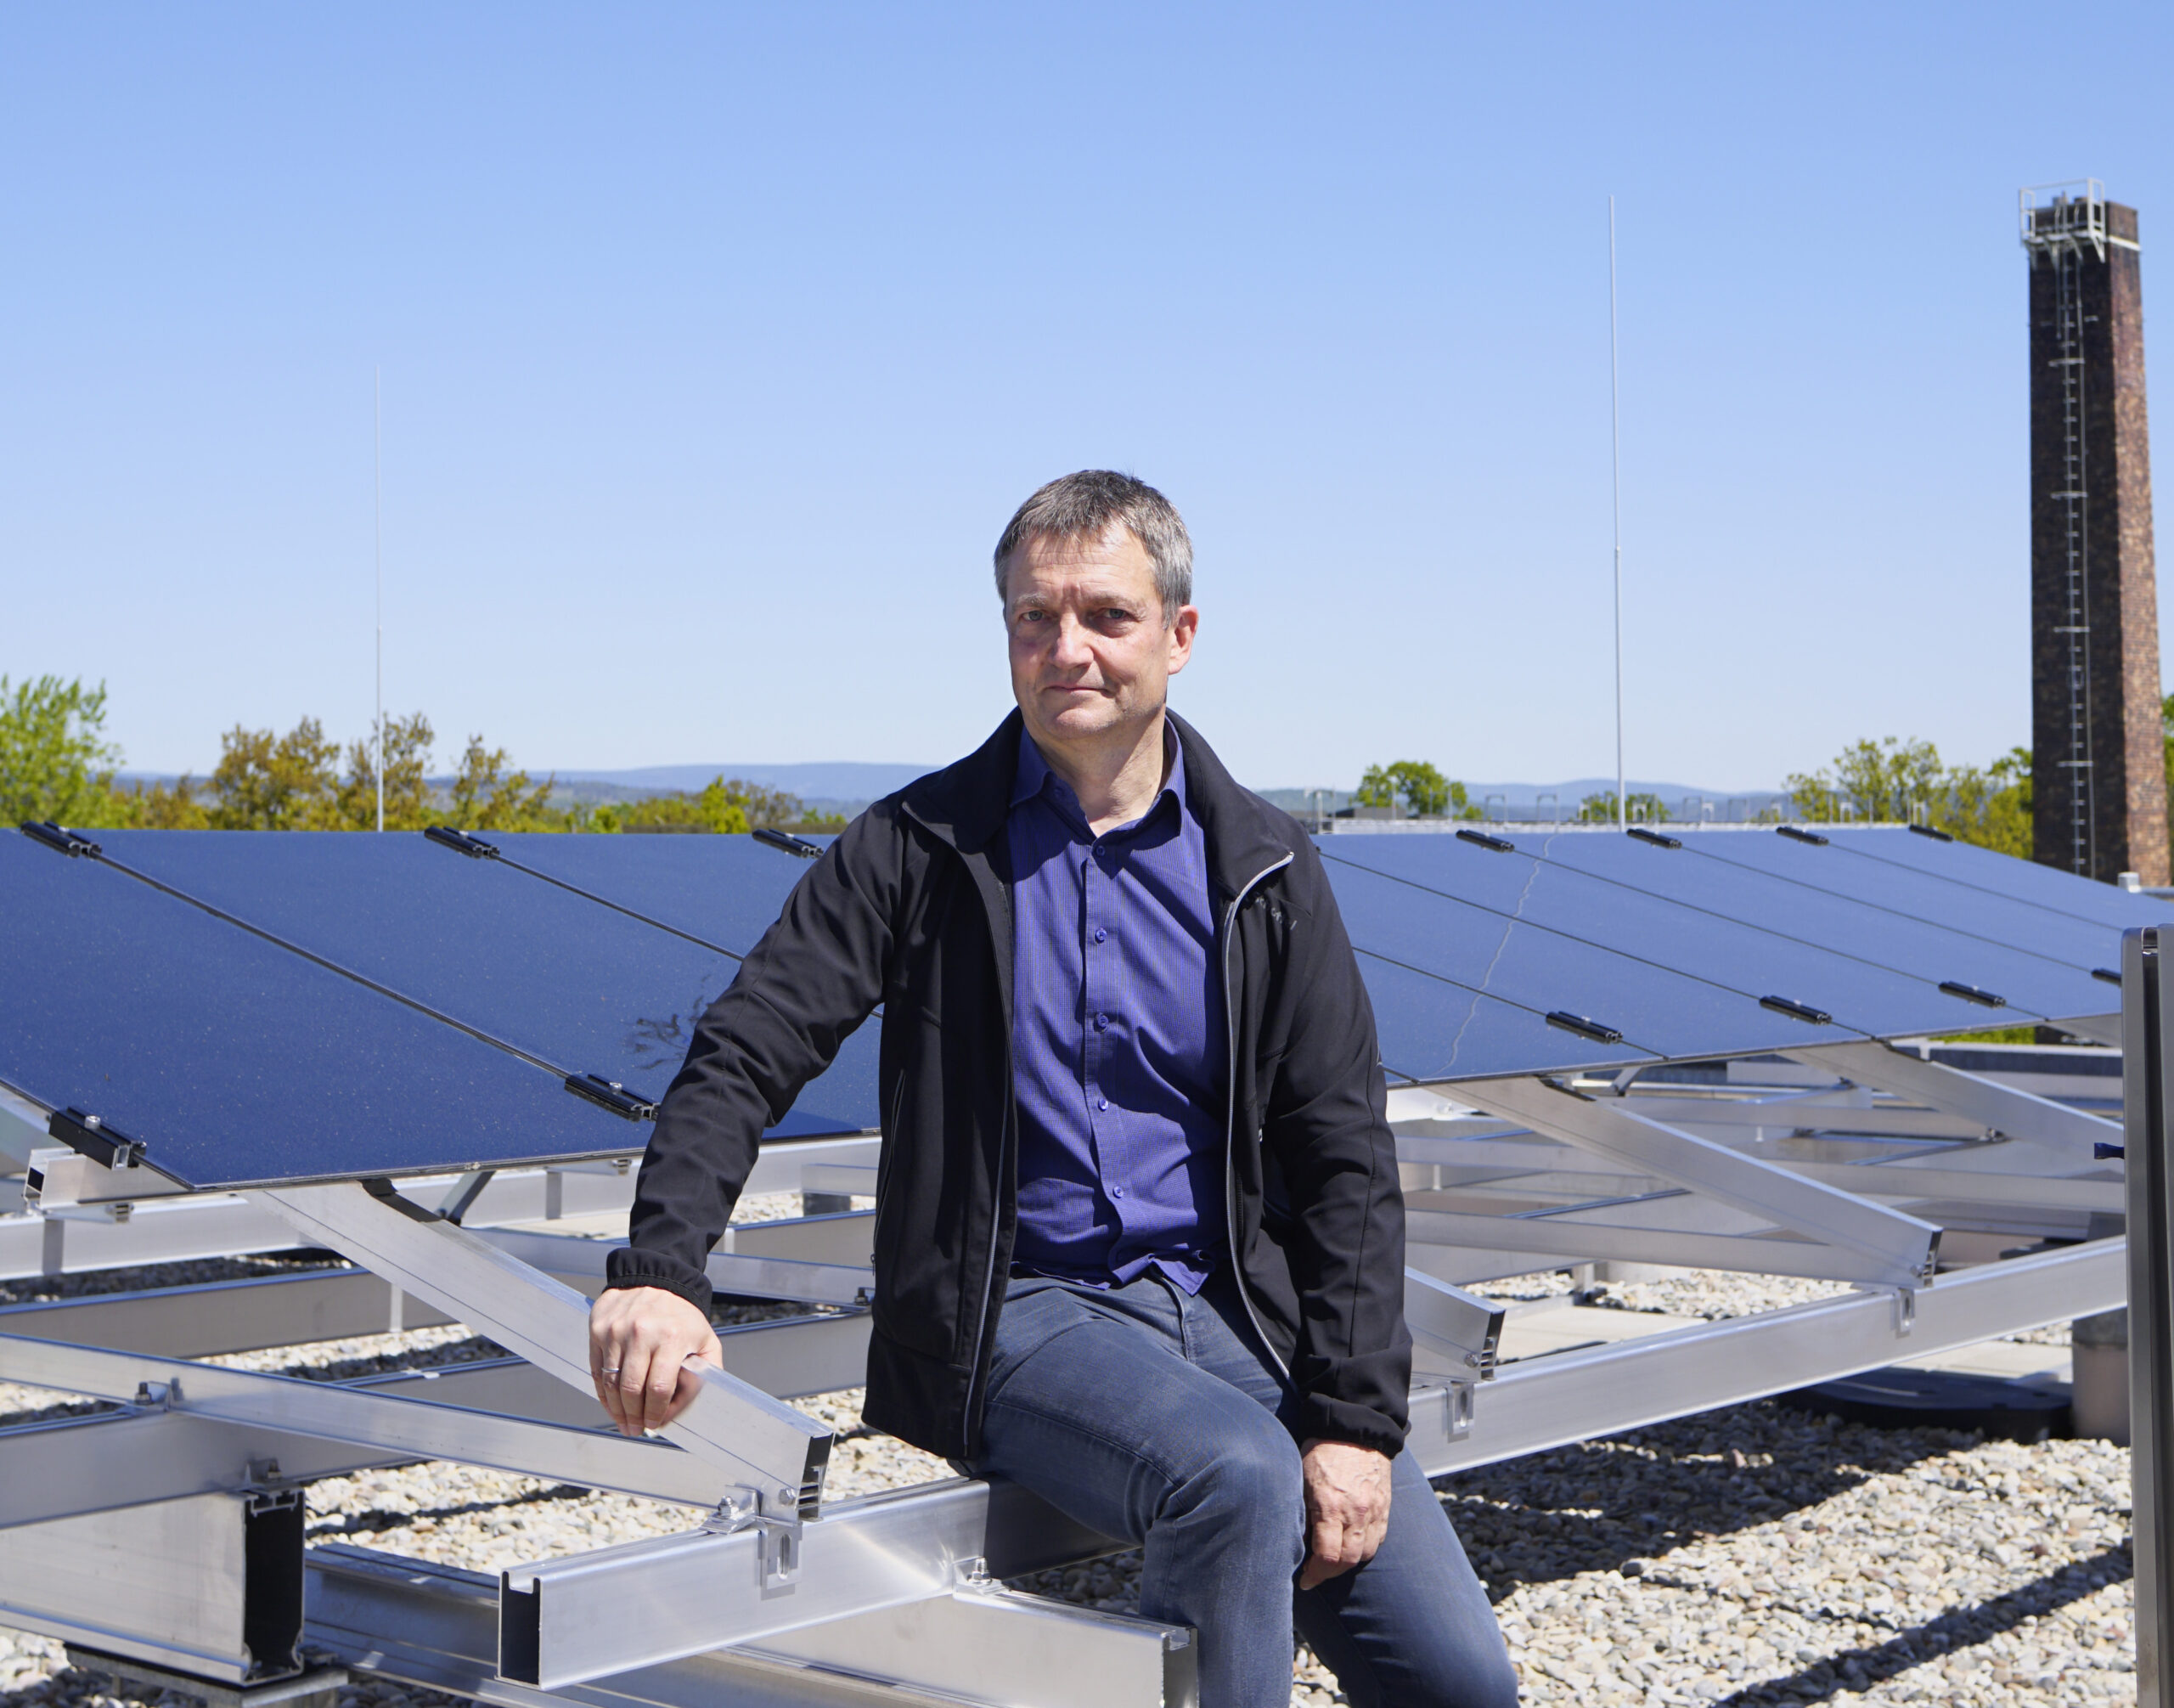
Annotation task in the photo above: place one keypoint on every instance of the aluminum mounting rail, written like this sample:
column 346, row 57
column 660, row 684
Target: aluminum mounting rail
column 437, row 1626
column 1577, row 1395
column 1453, row 1334
column 1461, row 1246
column 2147, row 1077
column 1986, row 1103
column 777, row 1453
column 591, row 1616
column 387, row 1425
column 1894, row 1249
column 744, row 1275
column 786, row 1359
column 164, row 1447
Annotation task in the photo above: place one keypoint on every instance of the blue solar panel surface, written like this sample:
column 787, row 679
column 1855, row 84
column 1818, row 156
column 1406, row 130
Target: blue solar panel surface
column 1878, row 968
column 589, row 989
column 236, row 1062
column 1661, row 915
column 1902, row 933
column 2017, row 880
column 1656, row 1010
column 1434, row 1030
column 725, row 890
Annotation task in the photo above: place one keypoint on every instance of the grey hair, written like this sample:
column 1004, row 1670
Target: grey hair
column 1086, row 506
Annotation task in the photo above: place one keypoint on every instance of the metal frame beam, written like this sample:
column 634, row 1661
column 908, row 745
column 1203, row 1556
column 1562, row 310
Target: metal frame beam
column 567, row 1620
column 385, row 1424
column 1453, row 1334
column 1602, row 1391
column 211, row 1586
column 213, row 1318
column 1487, row 1236
column 2148, row 1095
column 1886, row 1245
column 163, row 1230
column 571, row 1257
column 1986, row 1103
column 437, row 1627
column 116, row 1460
column 776, row 1452
column 138, row 1455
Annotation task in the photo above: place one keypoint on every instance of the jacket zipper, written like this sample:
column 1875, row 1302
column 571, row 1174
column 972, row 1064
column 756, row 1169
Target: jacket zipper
column 1230, row 1114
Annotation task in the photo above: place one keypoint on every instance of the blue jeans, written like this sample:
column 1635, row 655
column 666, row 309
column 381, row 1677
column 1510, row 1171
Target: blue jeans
column 1156, row 1417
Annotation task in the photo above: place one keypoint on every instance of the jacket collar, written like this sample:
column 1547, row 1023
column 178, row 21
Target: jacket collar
column 968, row 802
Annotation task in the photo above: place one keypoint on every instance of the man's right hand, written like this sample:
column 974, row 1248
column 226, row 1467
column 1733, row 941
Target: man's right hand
column 639, row 1340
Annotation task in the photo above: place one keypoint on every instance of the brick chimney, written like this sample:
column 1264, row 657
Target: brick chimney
column 2098, row 771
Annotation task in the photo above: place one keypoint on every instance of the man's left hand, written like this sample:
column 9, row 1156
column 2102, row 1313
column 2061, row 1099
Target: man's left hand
column 1346, row 1509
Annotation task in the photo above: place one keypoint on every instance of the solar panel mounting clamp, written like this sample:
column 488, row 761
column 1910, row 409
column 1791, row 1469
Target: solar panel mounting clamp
column 89, row 1135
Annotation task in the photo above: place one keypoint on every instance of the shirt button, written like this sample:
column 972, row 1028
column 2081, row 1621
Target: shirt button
column 1101, row 1022
column 1102, row 1102
column 1100, row 935
column 1117, row 1191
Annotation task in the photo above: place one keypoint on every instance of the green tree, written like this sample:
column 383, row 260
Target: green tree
column 407, row 794
column 55, row 762
column 1644, row 809
column 153, row 807
column 267, row 782
column 1898, row 781
column 676, row 808
column 1991, row 807
column 1890, row 780
column 1425, row 793
column 730, row 805
column 486, row 796
column 723, row 808
column 2166, row 738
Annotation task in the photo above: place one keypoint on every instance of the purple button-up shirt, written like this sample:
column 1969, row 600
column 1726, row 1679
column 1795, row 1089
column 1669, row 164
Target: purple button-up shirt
column 1117, row 1035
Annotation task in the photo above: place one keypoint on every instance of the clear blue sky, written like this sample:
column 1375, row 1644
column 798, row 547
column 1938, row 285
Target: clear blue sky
column 719, row 340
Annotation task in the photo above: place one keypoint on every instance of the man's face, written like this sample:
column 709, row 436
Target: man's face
column 1092, row 652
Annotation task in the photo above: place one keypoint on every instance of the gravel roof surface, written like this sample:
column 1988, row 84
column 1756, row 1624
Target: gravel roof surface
column 1752, row 1555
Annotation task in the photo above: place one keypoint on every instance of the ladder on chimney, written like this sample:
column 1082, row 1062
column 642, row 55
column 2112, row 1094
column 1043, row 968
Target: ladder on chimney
column 2073, row 496
column 2059, row 231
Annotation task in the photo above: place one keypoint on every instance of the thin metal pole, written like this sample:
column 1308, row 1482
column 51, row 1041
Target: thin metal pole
column 377, row 523
column 1615, row 473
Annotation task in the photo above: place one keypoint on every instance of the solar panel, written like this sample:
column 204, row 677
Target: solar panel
column 1883, row 925
column 1652, row 1008
column 1822, row 919
column 2061, row 936
column 2004, row 875
column 236, row 1062
column 1615, row 912
column 1432, row 1030
column 1867, row 936
column 242, row 1062
column 725, row 890
column 590, row 990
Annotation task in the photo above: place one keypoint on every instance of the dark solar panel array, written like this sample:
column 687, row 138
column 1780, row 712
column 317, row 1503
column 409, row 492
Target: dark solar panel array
column 1745, row 939
column 258, row 1008
column 286, row 1007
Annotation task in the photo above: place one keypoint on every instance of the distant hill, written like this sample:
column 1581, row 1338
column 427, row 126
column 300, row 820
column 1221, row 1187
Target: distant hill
column 828, row 786
column 847, row 786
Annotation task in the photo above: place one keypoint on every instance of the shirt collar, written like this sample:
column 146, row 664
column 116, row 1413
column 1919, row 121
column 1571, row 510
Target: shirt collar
column 1033, row 775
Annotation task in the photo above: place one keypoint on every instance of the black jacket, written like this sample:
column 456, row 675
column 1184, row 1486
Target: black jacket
column 911, row 908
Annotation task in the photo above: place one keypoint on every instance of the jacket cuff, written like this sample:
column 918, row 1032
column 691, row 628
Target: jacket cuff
column 631, row 1266
column 1321, row 1418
